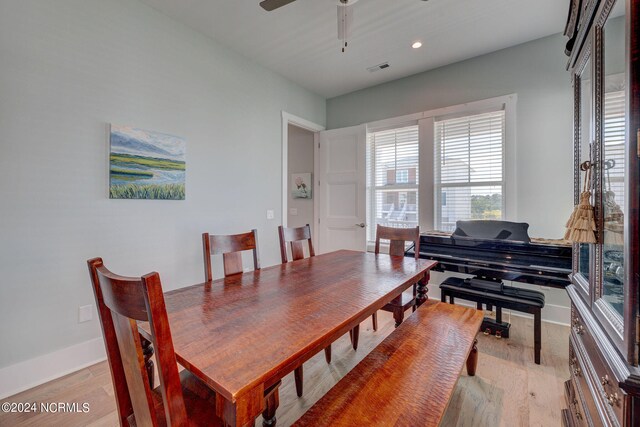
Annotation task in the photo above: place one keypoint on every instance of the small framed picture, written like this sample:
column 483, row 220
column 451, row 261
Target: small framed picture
column 301, row 185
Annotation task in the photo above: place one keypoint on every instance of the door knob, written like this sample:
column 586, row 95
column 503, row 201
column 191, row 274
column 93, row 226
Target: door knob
column 361, row 225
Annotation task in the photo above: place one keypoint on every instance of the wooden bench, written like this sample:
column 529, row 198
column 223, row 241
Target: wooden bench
column 518, row 299
column 408, row 379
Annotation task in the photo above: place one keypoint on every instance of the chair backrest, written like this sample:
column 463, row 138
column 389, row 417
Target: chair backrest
column 397, row 238
column 295, row 236
column 231, row 248
column 122, row 302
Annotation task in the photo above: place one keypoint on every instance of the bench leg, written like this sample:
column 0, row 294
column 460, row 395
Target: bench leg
column 451, row 300
column 327, row 353
column 354, row 334
column 537, row 334
column 374, row 320
column 271, row 403
column 498, row 314
column 299, row 377
column 472, row 360
column 443, row 296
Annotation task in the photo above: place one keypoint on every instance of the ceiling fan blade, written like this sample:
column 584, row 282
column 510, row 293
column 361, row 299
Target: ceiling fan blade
column 270, row 5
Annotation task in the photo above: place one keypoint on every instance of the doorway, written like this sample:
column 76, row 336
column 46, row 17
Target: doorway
column 299, row 159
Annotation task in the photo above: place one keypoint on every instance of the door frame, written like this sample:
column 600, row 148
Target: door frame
column 290, row 119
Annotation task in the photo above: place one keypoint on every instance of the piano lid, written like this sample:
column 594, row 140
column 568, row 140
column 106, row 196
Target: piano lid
column 493, row 230
column 500, row 250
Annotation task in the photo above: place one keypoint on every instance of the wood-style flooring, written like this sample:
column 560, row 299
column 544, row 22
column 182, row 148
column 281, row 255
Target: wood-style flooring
column 509, row 389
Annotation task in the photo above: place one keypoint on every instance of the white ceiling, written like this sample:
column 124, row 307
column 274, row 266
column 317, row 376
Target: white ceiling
column 299, row 40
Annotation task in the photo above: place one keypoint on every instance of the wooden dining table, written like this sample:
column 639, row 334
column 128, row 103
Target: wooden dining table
column 242, row 334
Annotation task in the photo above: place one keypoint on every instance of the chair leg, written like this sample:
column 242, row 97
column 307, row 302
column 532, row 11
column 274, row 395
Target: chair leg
column 374, row 318
column 472, row 360
column 327, row 353
column 537, row 335
column 354, row 334
column 298, row 375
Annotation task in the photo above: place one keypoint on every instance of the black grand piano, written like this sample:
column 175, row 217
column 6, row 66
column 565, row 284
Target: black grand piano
column 493, row 251
column 498, row 250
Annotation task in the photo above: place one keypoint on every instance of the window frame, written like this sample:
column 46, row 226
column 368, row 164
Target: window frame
column 372, row 189
column 439, row 187
column 426, row 165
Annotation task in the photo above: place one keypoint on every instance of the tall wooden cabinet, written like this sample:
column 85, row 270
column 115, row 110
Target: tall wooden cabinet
column 604, row 61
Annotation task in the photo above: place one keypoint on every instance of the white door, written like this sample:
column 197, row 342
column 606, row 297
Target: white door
column 342, row 176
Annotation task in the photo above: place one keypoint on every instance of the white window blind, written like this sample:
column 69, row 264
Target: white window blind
column 469, row 160
column 392, row 178
column 614, row 139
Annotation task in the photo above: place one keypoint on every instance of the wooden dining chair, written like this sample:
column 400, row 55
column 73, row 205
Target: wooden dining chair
column 181, row 399
column 231, row 248
column 296, row 238
column 397, row 238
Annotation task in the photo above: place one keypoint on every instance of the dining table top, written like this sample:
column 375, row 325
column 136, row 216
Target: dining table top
column 250, row 329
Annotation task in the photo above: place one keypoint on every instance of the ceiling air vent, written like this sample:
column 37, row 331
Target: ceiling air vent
column 378, row 67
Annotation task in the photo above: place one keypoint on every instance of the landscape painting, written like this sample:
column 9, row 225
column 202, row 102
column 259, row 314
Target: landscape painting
column 146, row 165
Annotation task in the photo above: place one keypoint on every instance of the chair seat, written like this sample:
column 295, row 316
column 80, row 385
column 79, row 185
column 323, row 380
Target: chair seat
column 199, row 400
column 405, row 301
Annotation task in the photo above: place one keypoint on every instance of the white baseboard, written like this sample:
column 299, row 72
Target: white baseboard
column 39, row 370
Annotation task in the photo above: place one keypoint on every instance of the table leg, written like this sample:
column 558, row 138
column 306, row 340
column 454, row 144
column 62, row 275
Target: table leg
column 472, row 360
column 422, row 290
column 398, row 315
column 242, row 412
column 272, row 401
column 147, row 352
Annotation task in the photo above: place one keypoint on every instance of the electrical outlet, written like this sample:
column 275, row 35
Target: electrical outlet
column 270, row 214
column 293, row 211
column 85, row 313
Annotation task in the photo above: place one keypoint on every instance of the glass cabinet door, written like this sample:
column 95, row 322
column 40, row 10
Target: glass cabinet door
column 612, row 165
column 583, row 147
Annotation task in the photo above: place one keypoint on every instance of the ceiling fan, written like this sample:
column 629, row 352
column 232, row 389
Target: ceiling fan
column 345, row 16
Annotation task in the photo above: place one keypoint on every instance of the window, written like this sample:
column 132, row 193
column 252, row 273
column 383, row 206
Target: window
column 392, row 178
column 402, row 176
column 614, row 138
column 469, row 161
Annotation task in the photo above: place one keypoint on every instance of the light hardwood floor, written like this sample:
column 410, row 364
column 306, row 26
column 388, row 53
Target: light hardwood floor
column 509, row 389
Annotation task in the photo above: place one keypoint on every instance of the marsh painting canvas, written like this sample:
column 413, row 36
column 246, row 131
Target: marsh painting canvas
column 146, row 164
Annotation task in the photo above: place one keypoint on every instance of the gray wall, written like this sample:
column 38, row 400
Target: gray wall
column 300, row 160
column 536, row 72
column 70, row 67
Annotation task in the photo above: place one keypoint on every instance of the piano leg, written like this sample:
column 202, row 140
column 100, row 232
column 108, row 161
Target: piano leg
column 537, row 334
column 498, row 314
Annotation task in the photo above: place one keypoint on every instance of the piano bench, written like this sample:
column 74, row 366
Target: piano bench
column 523, row 300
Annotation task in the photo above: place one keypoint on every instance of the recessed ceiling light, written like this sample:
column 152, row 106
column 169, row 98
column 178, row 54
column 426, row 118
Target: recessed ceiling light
column 416, row 45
